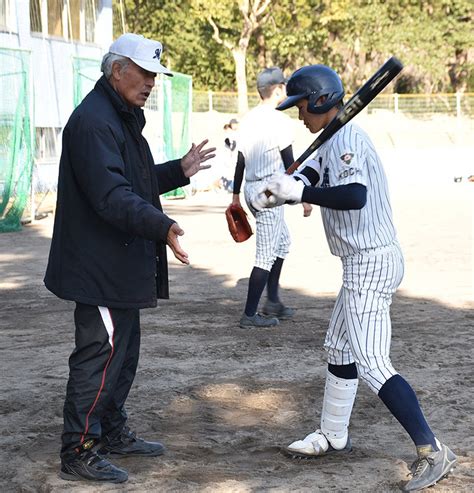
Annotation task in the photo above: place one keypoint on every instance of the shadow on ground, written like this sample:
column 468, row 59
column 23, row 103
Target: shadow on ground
column 224, row 399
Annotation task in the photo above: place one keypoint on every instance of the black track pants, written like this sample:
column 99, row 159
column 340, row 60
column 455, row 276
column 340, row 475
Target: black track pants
column 102, row 368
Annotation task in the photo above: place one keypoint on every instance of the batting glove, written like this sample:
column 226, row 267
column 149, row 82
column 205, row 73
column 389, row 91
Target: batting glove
column 286, row 188
column 261, row 201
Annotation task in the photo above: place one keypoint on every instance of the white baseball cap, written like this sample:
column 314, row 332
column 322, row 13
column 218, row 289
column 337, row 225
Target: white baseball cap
column 146, row 53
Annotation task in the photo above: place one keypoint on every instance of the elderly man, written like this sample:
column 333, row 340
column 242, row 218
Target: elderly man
column 108, row 253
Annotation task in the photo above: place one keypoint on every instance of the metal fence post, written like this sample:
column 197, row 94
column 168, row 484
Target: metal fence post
column 458, row 104
column 395, row 103
column 209, row 96
column 33, row 195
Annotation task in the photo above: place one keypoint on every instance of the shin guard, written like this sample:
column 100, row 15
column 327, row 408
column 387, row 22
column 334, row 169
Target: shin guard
column 339, row 397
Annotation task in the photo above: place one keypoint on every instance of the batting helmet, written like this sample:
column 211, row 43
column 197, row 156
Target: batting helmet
column 312, row 82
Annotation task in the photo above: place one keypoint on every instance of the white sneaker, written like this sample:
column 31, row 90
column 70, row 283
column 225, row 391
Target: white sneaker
column 314, row 445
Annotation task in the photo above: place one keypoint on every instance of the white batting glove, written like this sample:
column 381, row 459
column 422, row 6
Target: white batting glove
column 261, row 201
column 286, row 188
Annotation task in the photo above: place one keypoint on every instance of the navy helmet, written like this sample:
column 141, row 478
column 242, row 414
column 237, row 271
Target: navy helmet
column 312, row 82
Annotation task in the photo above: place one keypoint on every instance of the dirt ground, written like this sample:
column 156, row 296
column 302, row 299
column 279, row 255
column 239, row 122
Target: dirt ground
column 224, row 399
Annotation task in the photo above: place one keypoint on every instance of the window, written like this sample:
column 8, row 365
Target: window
column 35, row 16
column 55, row 18
column 75, row 16
column 47, row 144
column 90, row 14
column 4, row 13
column 69, row 19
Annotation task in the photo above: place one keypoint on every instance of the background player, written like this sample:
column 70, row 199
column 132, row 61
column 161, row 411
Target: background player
column 357, row 218
column 265, row 146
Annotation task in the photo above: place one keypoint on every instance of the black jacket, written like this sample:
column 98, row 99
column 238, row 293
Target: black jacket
column 109, row 239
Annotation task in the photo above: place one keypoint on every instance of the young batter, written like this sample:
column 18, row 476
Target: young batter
column 346, row 179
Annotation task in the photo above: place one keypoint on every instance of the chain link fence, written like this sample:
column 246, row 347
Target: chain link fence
column 414, row 105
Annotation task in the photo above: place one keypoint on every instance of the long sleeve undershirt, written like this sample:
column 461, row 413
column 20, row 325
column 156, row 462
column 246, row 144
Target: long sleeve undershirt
column 286, row 156
column 239, row 173
column 342, row 197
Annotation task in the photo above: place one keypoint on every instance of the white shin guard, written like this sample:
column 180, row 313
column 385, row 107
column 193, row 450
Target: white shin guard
column 339, row 397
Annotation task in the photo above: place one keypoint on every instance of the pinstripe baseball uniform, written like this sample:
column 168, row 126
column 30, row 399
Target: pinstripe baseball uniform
column 365, row 239
column 263, row 133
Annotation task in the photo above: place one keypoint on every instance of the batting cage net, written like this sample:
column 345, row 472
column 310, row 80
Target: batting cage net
column 168, row 112
column 86, row 72
column 16, row 137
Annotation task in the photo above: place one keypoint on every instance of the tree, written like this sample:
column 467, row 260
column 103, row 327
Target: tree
column 433, row 38
column 233, row 24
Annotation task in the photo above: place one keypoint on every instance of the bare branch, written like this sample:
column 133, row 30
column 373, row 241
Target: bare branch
column 260, row 9
column 244, row 7
column 216, row 36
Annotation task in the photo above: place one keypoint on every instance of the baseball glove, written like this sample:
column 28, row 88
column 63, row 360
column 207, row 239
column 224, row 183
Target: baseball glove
column 238, row 223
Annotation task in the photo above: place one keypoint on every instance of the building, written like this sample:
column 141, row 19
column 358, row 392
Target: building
column 50, row 53
column 54, row 37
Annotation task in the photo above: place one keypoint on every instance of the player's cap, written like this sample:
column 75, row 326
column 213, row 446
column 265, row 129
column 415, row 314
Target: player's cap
column 233, row 121
column 270, row 77
column 146, row 53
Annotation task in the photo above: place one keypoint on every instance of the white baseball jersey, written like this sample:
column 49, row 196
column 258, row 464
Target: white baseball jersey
column 365, row 239
column 350, row 157
column 263, row 133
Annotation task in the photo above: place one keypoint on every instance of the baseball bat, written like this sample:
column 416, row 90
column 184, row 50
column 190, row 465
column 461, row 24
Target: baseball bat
column 384, row 75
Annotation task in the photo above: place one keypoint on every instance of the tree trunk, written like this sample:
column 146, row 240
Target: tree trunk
column 239, row 55
column 457, row 71
column 261, row 55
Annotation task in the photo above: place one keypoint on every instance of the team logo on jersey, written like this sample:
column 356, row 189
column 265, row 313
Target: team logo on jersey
column 325, row 183
column 349, row 172
column 346, row 158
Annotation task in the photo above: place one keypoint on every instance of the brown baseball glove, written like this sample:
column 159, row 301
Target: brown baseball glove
column 238, row 223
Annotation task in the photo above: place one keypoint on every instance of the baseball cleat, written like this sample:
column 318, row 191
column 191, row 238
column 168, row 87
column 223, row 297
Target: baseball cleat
column 314, row 445
column 85, row 464
column 126, row 443
column 277, row 309
column 430, row 467
column 257, row 320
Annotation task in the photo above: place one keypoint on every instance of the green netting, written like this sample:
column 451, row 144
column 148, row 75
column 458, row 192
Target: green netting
column 86, row 72
column 16, row 137
column 177, row 110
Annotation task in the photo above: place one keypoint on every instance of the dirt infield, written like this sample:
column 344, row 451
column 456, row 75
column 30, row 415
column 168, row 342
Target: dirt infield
column 224, row 399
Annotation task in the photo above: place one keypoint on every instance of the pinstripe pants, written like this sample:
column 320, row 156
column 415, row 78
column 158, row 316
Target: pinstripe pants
column 272, row 235
column 360, row 328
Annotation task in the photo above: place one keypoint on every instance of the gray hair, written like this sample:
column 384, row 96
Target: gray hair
column 108, row 61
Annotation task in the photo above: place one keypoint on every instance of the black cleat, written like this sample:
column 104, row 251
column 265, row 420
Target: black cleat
column 126, row 443
column 85, row 464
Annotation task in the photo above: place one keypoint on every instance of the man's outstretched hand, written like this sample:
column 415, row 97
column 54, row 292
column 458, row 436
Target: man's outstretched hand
column 173, row 242
column 192, row 161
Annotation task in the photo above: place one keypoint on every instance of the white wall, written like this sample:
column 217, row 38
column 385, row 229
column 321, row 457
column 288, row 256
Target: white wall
column 51, row 61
